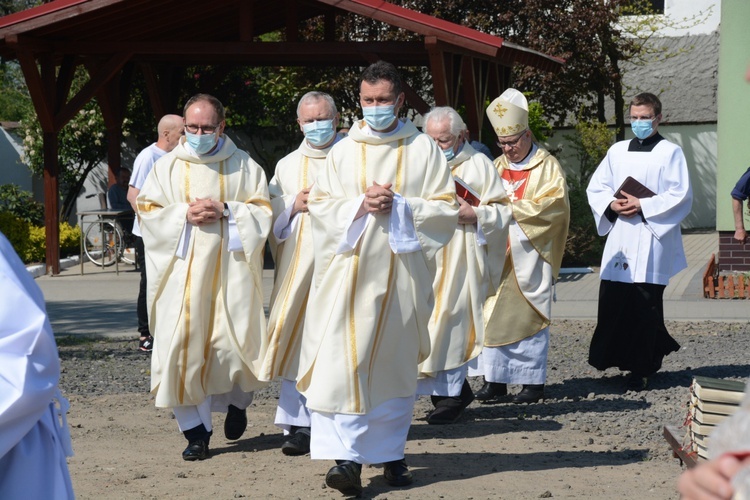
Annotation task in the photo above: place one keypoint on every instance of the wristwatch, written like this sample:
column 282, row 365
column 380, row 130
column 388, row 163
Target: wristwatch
column 225, row 213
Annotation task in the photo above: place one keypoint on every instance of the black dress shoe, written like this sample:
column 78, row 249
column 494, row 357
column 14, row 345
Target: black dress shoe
column 345, row 477
column 637, row 382
column 530, row 393
column 491, row 390
column 298, row 443
column 397, row 473
column 235, row 423
column 445, row 414
column 196, row 450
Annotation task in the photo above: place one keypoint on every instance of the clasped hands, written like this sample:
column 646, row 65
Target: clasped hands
column 204, row 211
column 627, row 207
column 300, row 201
column 378, row 199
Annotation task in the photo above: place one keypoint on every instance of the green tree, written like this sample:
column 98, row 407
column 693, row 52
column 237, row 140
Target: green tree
column 590, row 141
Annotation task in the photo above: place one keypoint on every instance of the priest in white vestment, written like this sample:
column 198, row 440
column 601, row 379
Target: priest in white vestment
column 517, row 316
column 380, row 210
column 470, row 264
column 644, row 244
column 205, row 214
column 292, row 248
column 34, row 437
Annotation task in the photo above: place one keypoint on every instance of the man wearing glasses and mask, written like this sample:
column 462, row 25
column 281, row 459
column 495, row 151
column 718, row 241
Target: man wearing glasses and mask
column 644, row 245
column 205, row 214
column 517, row 316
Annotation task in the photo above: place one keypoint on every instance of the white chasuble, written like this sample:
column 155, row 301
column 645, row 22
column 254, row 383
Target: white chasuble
column 366, row 328
column 206, row 307
column 644, row 249
column 466, row 268
column 522, row 305
column 293, row 258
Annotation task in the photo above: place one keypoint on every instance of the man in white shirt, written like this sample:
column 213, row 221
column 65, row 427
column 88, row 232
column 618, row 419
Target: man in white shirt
column 169, row 132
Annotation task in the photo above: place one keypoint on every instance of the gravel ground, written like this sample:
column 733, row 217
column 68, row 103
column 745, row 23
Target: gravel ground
column 599, row 423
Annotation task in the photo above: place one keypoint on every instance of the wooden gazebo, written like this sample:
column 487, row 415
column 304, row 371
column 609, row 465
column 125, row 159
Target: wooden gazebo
column 112, row 39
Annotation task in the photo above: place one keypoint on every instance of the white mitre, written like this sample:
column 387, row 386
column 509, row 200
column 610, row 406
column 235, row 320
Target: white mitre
column 509, row 113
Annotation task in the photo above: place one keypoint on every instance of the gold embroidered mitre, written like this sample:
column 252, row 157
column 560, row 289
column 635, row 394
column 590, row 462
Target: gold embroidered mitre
column 509, row 113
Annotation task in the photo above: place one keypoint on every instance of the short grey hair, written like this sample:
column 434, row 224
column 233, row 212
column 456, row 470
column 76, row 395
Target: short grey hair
column 315, row 95
column 457, row 125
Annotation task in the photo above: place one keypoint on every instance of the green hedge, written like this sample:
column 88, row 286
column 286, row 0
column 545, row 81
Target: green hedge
column 30, row 241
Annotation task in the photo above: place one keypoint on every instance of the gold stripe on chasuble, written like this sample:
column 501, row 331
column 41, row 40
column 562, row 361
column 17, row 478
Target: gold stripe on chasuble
column 186, row 182
column 472, row 337
column 186, row 328
column 288, row 295
column 356, row 396
column 293, row 338
column 399, row 166
column 383, row 312
column 205, row 369
column 147, row 207
column 303, row 172
column 222, row 184
column 441, row 285
column 363, row 167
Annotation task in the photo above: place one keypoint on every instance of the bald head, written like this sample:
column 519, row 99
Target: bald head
column 170, row 130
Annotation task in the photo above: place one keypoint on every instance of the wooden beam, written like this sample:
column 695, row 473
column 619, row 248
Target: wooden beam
column 471, row 96
column 105, row 72
column 292, row 20
column 246, row 20
column 51, row 202
column 437, row 70
column 42, row 106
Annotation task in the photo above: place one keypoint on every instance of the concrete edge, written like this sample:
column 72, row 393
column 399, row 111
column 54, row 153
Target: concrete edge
column 41, row 269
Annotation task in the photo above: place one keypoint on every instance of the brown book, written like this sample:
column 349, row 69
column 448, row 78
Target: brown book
column 464, row 191
column 634, row 188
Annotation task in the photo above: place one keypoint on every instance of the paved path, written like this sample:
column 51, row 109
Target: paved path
column 101, row 302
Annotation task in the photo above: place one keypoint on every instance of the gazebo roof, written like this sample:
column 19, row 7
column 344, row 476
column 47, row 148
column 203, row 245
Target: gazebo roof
column 197, row 32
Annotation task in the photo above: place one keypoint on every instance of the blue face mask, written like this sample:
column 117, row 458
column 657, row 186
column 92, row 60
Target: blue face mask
column 379, row 117
column 449, row 154
column 642, row 128
column 319, row 133
column 203, row 143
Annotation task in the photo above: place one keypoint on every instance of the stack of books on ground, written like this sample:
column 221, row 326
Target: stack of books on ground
column 711, row 401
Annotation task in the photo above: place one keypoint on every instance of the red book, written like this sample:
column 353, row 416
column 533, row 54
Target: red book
column 464, row 191
column 634, row 188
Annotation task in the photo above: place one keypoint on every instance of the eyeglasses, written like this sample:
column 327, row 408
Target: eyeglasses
column 207, row 129
column 509, row 144
column 641, row 118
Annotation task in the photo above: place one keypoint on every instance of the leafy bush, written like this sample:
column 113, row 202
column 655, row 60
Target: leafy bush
column 70, row 238
column 21, row 203
column 591, row 142
column 16, row 230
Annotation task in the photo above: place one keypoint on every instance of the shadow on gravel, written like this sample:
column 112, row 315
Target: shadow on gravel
column 247, row 443
column 92, row 316
column 476, row 423
column 462, row 466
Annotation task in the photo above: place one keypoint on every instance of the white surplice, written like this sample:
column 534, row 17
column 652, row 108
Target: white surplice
column 644, row 249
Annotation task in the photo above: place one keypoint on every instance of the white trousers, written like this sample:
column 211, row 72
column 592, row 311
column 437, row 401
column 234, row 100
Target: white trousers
column 524, row 362
column 291, row 410
column 374, row 438
column 444, row 383
column 192, row 416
